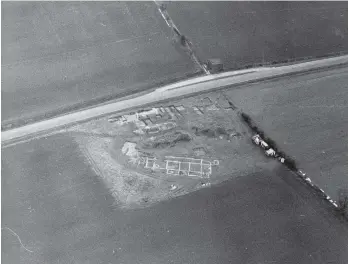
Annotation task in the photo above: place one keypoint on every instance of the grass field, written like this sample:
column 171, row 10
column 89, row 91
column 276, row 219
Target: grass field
column 246, row 33
column 63, row 213
column 306, row 116
column 57, row 54
column 60, row 56
column 58, row 207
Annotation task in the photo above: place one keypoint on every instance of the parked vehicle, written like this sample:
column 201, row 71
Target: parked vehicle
column 268, row 151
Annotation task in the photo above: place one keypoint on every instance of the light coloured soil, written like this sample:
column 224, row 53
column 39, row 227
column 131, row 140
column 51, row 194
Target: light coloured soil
column 123, row 155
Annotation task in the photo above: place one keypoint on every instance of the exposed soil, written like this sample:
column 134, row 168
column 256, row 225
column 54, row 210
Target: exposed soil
column 144, row 163
column 169, row 139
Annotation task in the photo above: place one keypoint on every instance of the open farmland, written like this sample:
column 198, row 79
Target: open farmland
column 59, row 206
column 178, row 181
column 243, row 33
column 307, row 117
column 59, row 54
column 59, row 57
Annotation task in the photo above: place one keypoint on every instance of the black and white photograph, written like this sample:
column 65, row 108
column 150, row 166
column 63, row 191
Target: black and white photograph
column 174, row 132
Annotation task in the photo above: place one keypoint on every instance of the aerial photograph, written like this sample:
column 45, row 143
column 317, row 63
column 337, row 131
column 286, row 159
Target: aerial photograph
column 179, row 132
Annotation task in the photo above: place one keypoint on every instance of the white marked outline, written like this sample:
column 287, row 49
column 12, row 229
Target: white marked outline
column 173, row 166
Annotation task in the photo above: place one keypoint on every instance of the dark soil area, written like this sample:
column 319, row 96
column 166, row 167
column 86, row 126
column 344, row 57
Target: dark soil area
column 169, row 139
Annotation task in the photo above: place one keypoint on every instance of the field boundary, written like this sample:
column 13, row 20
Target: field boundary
column 290, row 163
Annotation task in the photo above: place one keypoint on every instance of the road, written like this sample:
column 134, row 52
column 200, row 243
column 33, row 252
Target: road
column 58, row 57
column 170, row 92
column 307, row 117
column 62, row 213
column 56, row 210
column 246, row 33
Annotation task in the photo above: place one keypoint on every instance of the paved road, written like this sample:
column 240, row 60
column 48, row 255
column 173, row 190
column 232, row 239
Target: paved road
column 307, row 117
column 169, row 92
column 62, row 213
column 58, row 54
column 243, row 33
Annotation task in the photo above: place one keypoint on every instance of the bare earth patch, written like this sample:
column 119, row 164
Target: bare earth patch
column 155, row 154
column 129, row 188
